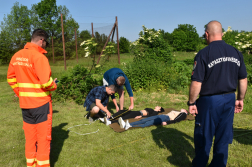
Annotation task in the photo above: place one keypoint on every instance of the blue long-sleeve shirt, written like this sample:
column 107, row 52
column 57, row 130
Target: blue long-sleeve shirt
column 112, row 74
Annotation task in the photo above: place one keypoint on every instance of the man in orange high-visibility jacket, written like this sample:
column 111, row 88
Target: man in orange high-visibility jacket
column 29, row 75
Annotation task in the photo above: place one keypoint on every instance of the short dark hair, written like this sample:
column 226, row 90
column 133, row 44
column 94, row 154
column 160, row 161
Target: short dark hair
column 121, row 80
column 162, row 109
column 39, row 33
column 113, row 87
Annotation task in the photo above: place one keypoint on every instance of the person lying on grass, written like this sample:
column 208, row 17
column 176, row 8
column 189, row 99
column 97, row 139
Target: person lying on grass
column 171, row 117
column 126, row 114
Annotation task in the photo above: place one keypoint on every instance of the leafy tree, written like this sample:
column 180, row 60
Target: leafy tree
column 69, row 23
column 44, row 14
column 167, row 37
column 15, row 31
column 69, row 31
column 6, row 50
column 191, row 35
column 84, row 35
column 100, row 39
column 47, row 15
column 179, row 40
column 19, row 24
column 124, row 45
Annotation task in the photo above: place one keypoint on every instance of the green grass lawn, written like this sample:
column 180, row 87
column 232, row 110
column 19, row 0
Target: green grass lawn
column 170, row 145
column 184, row 55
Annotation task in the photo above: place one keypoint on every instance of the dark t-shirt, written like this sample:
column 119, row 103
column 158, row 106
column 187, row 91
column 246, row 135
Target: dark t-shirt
column 151, row 112
column 218, row 67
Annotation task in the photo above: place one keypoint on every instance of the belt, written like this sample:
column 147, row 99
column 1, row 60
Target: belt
column 219, row 93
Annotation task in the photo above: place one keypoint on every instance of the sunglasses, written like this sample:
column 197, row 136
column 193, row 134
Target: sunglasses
column 47, row 43
column 205, row 34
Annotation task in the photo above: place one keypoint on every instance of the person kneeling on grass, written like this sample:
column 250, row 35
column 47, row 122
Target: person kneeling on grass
column 97, row 101
column 126, row 114
column 173, row 116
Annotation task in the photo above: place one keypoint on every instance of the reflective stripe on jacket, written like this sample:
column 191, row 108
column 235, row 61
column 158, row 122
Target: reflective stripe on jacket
column 29, row 75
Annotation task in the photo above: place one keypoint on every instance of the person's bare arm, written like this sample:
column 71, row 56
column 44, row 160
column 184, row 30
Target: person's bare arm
column 193, row 94
column 242, row 88
column 131, row 103
column 121, row 98
column 138, row 117
column 144, row 112
column 101, row 107
column 115, row 103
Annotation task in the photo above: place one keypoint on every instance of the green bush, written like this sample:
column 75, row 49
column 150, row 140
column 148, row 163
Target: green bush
column 188, row 61
column 145, row 73
column 249, row 73
column 247, row 59
column 159, row 50
column 75, row 84
column 153, row 66
column 248, row 62
column 179, row 75
column 200, row 46
column 151, row 74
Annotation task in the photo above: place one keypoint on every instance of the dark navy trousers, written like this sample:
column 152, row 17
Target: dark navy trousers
column 215, row 118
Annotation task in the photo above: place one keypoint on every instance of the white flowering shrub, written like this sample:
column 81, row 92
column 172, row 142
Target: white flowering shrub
column 90, row 49
column 151, row 44
column 228, row 30
column 89, row 46
column 229, row 36
column 242, row 41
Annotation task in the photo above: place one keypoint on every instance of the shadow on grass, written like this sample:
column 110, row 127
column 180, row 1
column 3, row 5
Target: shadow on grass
column 177, row 143
column 55, row 111
column 243, row 136
column 59, row 135
column 111, row 107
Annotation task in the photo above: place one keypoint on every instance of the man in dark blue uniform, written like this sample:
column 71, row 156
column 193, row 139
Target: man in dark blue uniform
column 218, row 69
